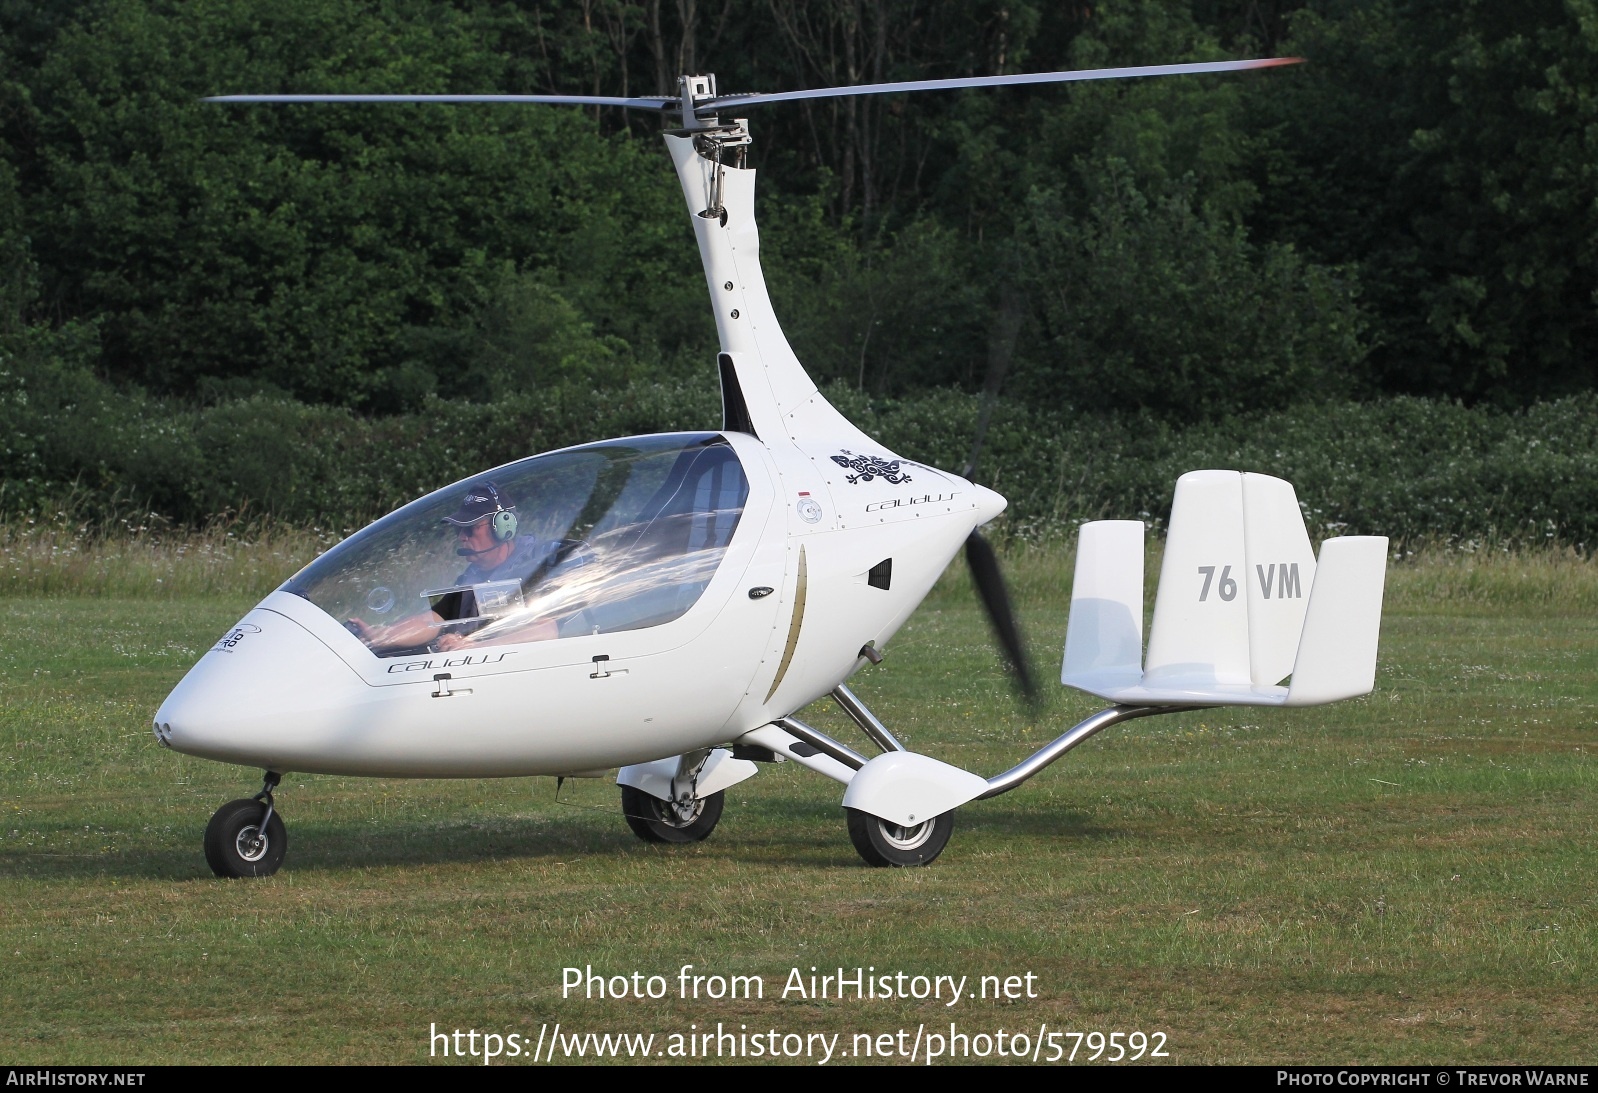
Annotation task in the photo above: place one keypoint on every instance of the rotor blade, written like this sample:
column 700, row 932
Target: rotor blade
column 760, row 99
column 651, row 102
column 664, row 102
column 990, row 588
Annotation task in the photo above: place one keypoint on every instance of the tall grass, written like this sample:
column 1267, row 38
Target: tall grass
column 140, row 556
column 1554, row 580
column 143, row 557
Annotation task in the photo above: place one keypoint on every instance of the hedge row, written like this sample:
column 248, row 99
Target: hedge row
column 1410, row 468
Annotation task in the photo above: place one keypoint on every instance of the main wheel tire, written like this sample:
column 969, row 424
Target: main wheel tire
column 234, row 846
column 883, row 843
column 656, row 821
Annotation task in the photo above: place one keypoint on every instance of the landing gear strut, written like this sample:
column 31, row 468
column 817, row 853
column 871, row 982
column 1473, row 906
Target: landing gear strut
column 246, row 838
column 879, row 842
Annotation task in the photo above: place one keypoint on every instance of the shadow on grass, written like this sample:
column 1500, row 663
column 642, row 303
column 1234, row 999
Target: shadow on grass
column 338, row 846
column 772, row 830
column 1034, row 821
column 814, row 834
column 793, row 832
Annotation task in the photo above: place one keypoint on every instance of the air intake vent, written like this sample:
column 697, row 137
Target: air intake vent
column 881, row 575
column 734, row 410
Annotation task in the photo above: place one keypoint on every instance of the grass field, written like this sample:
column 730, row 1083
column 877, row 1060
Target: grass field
column 1404, row 878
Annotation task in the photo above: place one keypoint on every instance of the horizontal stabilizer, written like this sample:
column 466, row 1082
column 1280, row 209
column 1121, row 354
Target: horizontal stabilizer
column 1193, row 692
column 1241, row 604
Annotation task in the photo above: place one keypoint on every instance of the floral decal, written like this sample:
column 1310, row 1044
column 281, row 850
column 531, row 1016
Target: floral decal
column 867, row 467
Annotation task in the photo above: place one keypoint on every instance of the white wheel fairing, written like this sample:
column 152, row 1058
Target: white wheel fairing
column 906, row 789
column 720, row 772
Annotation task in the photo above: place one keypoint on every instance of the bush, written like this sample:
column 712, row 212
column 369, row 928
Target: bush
column 1415, row 469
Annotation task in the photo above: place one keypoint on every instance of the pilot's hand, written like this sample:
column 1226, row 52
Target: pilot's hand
column 448, row 642
column 359, row 629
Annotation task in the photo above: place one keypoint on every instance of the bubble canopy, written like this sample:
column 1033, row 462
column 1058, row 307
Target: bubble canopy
column 613, row 536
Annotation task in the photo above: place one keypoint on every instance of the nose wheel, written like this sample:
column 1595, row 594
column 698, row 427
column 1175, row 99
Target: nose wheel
column 884, row 843
column 246, row 838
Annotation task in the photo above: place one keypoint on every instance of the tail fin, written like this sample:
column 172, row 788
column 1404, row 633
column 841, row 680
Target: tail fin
column 1200, row 631
column 1337, row 654
column 1280, row 565
column 1240, row 603
column 1104, row 638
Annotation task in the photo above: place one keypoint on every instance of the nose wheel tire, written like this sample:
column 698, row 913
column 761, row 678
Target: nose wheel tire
column 657, row 821
column 236, row 846
column 883, row 843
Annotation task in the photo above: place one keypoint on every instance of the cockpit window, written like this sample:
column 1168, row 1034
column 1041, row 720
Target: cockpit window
column 592, row 540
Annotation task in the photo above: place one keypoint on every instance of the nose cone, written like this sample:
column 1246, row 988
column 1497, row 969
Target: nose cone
column 989, row 504
column 263, row 685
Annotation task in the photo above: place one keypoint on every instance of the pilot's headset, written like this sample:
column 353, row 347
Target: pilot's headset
column 504, row 519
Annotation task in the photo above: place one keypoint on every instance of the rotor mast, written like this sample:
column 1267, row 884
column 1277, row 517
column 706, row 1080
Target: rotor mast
column 774, row 389
column 691, row 91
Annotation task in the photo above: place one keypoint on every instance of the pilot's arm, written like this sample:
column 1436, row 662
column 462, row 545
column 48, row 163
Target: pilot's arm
column 416, row 631
column 428, row 628
column 419, row 629
column 528, row 564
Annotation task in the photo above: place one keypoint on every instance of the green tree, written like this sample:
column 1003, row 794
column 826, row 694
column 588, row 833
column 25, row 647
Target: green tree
column 1155, row 303
column 1446, row 150
column 298, row 249
column 18, row 274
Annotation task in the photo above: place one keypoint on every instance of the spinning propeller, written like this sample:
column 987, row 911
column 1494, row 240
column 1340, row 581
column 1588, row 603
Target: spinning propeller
column 989, row 582
column 985, row 573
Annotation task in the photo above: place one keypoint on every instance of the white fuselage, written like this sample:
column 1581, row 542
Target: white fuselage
column 291, row 688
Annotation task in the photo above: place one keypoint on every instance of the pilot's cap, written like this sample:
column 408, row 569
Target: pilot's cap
column 480, row 502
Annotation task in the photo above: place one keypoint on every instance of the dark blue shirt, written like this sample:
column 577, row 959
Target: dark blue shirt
column 529, row 553
column 525, row 559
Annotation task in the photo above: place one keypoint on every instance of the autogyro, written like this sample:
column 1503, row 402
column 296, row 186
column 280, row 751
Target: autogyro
column 662, row 605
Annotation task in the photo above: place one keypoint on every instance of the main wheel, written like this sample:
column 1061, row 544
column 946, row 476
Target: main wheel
column 657, row 821
column 235, row 846
column 880, row 842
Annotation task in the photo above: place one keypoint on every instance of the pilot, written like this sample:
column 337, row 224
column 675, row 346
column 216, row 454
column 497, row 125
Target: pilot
column 486, row 532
